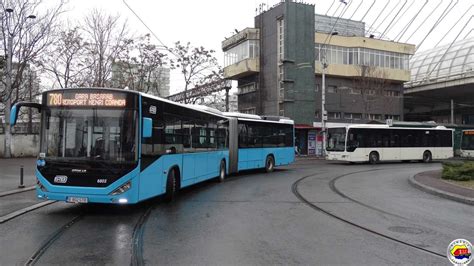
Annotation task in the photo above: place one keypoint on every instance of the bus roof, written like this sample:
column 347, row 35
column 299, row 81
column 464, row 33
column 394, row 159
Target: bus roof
column 392, row 127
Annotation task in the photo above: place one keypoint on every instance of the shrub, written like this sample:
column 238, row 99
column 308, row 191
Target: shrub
column 458, row 171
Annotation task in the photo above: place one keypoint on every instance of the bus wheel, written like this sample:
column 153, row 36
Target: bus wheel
column 427, row 157
column 269, row 164
column 374, row 157
column 222, row 172
column 171, row 184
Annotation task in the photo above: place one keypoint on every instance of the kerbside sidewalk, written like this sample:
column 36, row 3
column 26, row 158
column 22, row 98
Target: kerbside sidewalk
column 10, row 173
column 432, row 183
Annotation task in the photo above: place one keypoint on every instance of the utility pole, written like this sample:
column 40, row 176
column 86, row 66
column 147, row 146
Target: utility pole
column 323, row 105
column 8, row 106
column 452, row 111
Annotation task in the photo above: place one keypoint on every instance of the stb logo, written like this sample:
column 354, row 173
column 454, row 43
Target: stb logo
column 152, row 109
column 60, row 179
column 460, row 252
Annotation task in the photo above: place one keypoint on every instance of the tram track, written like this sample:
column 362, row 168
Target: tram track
column 331, row 184
column 137, row 238
column 52, row 238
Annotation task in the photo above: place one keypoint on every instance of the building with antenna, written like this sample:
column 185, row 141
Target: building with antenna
column 278, row 65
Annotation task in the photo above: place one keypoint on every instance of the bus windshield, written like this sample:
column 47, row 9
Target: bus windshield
column 467, row 142
column 90, row 134
column 336, row 139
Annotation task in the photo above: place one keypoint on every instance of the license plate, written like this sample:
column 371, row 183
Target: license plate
column 77, row 200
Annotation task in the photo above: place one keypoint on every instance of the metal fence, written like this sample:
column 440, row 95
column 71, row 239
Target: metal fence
column 22, row 128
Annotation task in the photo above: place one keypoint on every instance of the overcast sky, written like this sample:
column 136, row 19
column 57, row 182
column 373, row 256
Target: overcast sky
column 207, row 22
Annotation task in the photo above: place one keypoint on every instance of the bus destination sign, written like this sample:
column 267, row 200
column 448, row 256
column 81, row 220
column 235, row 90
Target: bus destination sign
column 103, row 99
column 469, row 132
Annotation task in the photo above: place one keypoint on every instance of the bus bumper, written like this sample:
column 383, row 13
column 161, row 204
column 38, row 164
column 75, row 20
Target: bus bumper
column 342, row 156
column 125, row 198
column 71, row 194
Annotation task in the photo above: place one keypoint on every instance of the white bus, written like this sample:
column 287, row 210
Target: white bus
column 374, row 143
column 467, row 143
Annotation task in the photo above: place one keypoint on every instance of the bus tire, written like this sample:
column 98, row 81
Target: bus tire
column 222, row 172
column 269, row 164
column 427, row 157
column 374, row 157
column 171, row 186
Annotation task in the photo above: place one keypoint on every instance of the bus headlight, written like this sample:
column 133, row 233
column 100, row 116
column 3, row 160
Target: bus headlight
column 41, row 186
column 123, row 188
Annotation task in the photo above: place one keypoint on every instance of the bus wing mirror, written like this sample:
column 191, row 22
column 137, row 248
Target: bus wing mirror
column 16, row 110
column 147, row 126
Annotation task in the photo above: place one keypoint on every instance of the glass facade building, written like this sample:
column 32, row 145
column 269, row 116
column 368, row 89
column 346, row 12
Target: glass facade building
column 361, row 56
column 245, row 50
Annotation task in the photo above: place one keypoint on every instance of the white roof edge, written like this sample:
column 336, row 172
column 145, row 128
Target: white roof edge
column 204, row 108
column 242, row 115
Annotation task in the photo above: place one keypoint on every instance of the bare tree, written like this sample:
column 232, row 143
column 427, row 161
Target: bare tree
column 108, row 38
column 371, row 83
column 27, row 33
column 65, row 61
column 195, row 63
column 141, row 66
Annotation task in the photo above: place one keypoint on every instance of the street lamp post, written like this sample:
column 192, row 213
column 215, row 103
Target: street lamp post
column 323, row 104
column 8, row 82
column 324, row 115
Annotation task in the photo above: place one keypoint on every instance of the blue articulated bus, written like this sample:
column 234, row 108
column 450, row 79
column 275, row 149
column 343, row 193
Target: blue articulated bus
column 119, row 146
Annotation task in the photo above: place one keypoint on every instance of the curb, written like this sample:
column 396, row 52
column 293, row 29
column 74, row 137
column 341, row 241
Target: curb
column 439, row 193
column 15, row 191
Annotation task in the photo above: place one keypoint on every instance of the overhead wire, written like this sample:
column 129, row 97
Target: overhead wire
column 357, row 8
column 333, row 1
column 396, row 15
column 408, row 25
column 334, row 25
column 445, row 13
column 371, row 29
column 149, row 29
column 401, row 16
column 455, row 24
column 368, row 10
column 388, row 15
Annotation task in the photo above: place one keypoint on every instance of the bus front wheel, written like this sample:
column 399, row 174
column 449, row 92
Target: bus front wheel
column 427, row 157
column 269, row 164
column 222, row 172
column 171, row 186
column 374, row 157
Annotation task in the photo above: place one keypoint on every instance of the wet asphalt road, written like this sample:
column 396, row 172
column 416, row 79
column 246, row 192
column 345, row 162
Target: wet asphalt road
column 255, row 219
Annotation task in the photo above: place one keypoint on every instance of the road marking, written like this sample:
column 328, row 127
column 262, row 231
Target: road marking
column 10, row 192
column 15, row 214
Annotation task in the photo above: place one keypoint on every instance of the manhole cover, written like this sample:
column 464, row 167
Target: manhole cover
column 406, row 230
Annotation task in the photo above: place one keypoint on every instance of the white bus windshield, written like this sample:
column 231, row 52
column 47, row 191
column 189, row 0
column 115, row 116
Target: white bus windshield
column 336, row 139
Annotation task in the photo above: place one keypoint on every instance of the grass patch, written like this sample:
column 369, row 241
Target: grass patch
column 458, row 171
column 466, row 184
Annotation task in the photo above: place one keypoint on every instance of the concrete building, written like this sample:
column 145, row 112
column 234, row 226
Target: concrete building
column 441, row 88
column 153, row 81
column 278, row 67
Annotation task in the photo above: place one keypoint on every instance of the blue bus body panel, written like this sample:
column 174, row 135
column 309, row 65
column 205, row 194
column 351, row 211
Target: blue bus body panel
column 252, row 158
column 193, row 167
column 94, row 194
